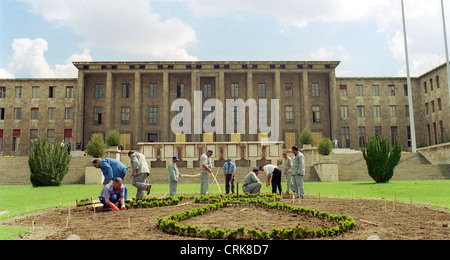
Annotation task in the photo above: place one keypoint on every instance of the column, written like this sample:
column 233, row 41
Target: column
column 334, row 110
column 220, row 83
column 195, row 81
column 79, row 115
column 247, row 115
column 164, row 111
column 137, row 113
column 109, row 105
column 306, row 106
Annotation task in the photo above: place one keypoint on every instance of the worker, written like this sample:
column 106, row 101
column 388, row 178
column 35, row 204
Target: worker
column 287, row 171
column 205, row 171
column 298, row 171
column 174, row 176
column 252, row 184
column 229, row 171
column 141, row 171
column 114, row 193
column 272, row 171
column 111, row 169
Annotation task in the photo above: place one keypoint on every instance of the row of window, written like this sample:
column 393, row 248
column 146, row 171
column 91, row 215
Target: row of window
column 361, row 111
column 35, row 113
column 425, row 84
column 359, row 90
column 34, row 137
column 433, row 109
column 378, row 130
column 35, row 92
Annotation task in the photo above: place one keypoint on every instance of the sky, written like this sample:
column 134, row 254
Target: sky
column 41, row 38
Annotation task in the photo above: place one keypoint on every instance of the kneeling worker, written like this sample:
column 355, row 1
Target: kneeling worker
column 252, row 184
column 112, row 193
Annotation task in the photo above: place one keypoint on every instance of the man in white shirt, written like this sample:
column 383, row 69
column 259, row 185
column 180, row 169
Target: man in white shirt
column 274, row 172
column 205, row 170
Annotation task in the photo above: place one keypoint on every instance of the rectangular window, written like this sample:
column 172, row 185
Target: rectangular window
column 431, row 84
column 154, row 90
column 1, row 140
column 68, row 137
column 16, row 140
column 152, row 138
column 153, row 115
column 360, row 111
column 408, row 134
column 378, row 131
column 98, row 91
column 17, row 113
column 207, row 91
column 376, row 111
column 98, row 112
column 234, row 90
column 344, row 111
column 18, row 92
column 69, row 113
column 407, row 111
column 290, row 114
column 391, row 90
column 426, row 108
column 2, row 113
column 288, row 90
column 432, row 107
column 35, row 92
column 316, row 114
column 394, row 134
column 52, row 113
column 125, row 115
column 439, row 104
column 2, row 92
column 236, row 115
column 405, row 87
column 362, row 136
column 33, row 137
column 51, row 92
column 180, row 91
column 262, row 114
column 438, row 85
column 343, row 90
column 69, row 92
column 425, row 87
column 125, row 90
column 346, row 137
column 359, row 91
column 375, row 90
column 35, row 113
column 51, row 135
column 315, row 89
column 261, row 90
column 393, row 111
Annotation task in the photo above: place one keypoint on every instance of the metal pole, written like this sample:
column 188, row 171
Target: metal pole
column 446, row 49
column 410, row 93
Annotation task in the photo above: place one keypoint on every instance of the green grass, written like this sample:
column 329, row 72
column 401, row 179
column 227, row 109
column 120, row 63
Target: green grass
column 20, row 200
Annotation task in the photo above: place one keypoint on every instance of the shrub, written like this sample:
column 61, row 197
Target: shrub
column 325, row 146
column 380, row 160
column 113, row 138
column 48, row 164
column 306, row 137
column 96, row 146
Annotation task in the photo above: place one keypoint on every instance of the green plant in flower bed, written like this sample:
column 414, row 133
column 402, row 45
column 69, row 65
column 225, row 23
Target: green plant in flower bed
column 171, row 224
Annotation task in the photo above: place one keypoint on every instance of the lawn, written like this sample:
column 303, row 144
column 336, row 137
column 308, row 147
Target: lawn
column 20, row 200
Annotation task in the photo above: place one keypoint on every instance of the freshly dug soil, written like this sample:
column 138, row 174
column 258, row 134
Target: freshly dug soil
column 373, row 217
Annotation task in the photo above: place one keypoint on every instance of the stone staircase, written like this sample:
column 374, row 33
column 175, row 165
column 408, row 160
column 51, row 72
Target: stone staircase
column 352, row 167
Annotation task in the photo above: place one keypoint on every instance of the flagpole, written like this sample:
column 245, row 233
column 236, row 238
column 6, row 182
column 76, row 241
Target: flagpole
column 446, row 48
column 410, row 93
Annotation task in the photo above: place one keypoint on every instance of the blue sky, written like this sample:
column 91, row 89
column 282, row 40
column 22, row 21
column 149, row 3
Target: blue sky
column 41, row 38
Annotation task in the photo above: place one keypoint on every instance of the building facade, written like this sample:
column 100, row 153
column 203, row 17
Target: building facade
column 135, row 98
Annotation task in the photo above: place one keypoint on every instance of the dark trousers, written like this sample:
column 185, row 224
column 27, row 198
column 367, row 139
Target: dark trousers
column 227, row 183
column 276, row 180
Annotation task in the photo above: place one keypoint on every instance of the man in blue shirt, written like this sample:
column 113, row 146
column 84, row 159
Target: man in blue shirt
column 111, row 169
column 113, row 193
column 229, row 170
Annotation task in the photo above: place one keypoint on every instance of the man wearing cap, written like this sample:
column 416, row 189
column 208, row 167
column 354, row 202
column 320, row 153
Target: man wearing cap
column 140, row 171
column 205, row 170
column 229, row 170
column 252, row 184
column 174, row 176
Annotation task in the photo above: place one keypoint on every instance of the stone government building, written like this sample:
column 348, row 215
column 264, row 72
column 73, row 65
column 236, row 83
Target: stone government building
column 135, row 98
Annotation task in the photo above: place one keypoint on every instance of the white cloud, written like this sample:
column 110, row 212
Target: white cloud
column 129, row 27
column 334, row 53
column 29, row 56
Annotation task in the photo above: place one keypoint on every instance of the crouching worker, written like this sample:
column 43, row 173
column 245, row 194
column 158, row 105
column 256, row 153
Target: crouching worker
column 114, row 193
column 252, row 184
